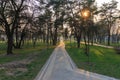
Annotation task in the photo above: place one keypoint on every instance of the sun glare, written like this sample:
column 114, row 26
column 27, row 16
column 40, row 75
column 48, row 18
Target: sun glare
column 85, row 13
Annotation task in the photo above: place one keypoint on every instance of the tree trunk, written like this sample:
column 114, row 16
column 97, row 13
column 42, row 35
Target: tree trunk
column 109, row 38
column 19, row 42
column 54, row 42
column 78, row 42
column 34, row 42
column 78, row 36
column 55, row 37
column 16, row 35
column 10, row 45
column 47, row 41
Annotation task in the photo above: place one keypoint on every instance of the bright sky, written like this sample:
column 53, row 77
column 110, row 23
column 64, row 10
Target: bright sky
column 99, row 2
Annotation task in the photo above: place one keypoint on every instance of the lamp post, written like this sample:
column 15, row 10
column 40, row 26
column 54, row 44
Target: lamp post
column 85, row 14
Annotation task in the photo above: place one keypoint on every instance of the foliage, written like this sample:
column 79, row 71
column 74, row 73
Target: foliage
column 108, row 13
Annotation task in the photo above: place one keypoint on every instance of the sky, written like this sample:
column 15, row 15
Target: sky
column 100, row 2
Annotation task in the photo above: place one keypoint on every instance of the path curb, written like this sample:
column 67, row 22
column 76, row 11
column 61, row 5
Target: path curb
column 42, row 74
column 73, row 65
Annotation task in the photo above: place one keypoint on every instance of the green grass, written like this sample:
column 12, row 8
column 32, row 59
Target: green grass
column 27, row 45
column 3, row 47
column 20, row 53
column 39, row 55
column 102, row 60
column 112, row 44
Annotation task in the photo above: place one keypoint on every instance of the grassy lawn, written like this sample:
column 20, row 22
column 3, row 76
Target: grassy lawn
column 102, row 60
column 112, row 44
column 25, row 63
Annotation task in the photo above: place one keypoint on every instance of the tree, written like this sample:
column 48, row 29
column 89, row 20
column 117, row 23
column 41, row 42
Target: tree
column 66, row 32
column 25, row 20
column 9, row 17
column 57, row 8
column 76, row 21
column 108, row 14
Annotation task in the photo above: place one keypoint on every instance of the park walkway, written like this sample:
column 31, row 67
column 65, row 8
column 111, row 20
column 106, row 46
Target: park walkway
column 60, row 67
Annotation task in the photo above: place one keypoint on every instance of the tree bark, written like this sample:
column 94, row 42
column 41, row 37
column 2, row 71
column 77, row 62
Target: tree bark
column 78, row 42
column 10, row 44
column 55, row 37
column 109, row 38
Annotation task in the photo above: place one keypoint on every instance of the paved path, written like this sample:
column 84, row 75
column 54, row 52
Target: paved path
column 99, row 45
column 60, row 67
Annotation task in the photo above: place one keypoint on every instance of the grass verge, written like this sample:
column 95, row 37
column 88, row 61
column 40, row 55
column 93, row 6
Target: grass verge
column 24, row 64
column 102, row 60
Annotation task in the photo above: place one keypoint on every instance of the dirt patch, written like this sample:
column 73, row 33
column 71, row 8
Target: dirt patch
column 16, row 68
column 19, row 64
column 15, row 71
column 16, row 64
